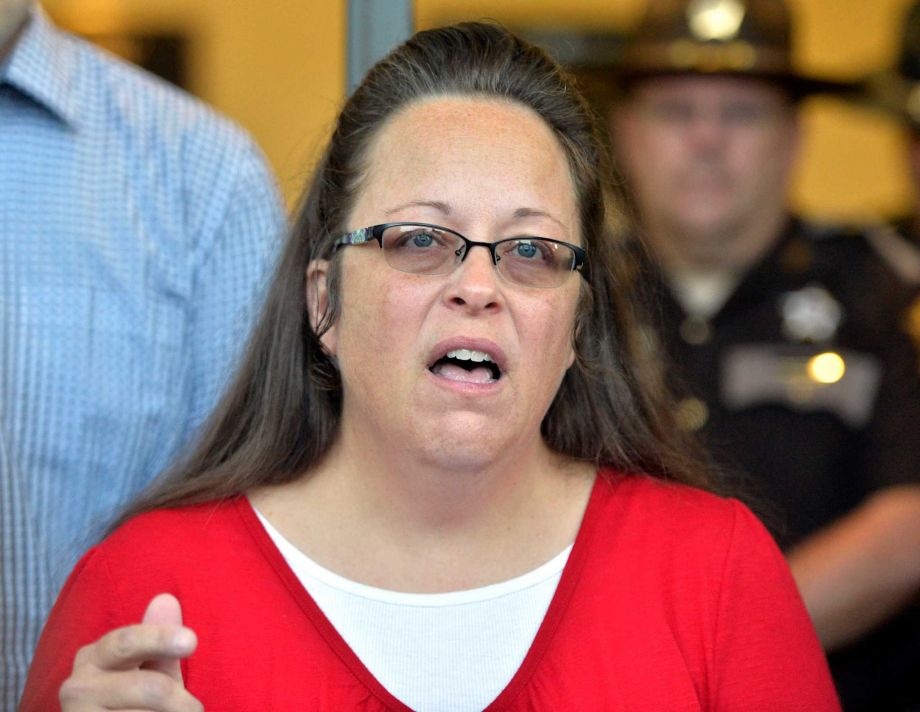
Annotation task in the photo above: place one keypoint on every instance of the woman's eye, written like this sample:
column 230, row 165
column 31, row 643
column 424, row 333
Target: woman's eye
column 418, row 239
column 422, row 239
column 527, row 250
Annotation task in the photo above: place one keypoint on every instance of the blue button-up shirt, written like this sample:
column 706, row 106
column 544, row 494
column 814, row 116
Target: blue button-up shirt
column 136, row 228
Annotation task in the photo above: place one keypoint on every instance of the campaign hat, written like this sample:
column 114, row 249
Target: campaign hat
column 744, row 38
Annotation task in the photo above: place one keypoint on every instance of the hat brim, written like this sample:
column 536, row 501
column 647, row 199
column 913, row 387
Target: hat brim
column 607, row 85
column 893, row 94
column 799, row 85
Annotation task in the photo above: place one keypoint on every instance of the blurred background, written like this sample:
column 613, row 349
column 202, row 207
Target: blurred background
column 278, row 68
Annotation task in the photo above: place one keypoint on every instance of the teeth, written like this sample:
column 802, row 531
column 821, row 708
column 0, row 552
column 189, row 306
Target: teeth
column 469, row 355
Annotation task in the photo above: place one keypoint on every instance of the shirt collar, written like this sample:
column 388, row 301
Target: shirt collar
column 42, row 66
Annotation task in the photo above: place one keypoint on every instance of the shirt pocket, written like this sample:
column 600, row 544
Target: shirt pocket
column 136, row 380
column 804, row 379
column 96, row 398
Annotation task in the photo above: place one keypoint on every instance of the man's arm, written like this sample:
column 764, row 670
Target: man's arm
column 864, row 568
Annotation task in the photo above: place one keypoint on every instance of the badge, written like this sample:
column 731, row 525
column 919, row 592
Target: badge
column 810, row 314
column 715, row 19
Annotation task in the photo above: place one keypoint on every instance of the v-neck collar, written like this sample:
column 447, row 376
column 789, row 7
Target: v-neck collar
column 568, row 582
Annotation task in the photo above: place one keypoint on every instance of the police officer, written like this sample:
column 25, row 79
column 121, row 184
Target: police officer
column 791, row 340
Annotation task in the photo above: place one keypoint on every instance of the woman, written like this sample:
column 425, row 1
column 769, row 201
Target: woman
column 423, row 489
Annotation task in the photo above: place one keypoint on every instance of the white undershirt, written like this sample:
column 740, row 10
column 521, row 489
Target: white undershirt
column 450, row 652
column 702, row 294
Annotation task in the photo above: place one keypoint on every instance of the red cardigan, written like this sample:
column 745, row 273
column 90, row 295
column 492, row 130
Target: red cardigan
column 671, row 599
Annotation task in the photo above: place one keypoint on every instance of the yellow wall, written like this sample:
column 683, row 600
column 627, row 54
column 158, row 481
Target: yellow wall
column 277, row 67
column 853, row 162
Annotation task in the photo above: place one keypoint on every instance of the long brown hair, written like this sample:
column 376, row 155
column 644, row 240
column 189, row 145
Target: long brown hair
column 281, row 413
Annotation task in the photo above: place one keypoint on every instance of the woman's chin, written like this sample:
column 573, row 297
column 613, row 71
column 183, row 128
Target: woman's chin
column 463, row 458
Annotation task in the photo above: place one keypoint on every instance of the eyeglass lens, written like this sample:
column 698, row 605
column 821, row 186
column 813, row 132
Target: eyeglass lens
column 529, row 261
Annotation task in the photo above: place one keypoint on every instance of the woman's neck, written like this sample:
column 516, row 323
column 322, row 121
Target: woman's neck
column 405, row 524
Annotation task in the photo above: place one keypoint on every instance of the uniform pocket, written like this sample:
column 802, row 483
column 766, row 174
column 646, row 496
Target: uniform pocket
column 803, row 378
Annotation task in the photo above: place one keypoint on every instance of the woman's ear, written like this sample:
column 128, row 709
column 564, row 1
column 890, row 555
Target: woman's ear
column 318, row 301
column 573, row 346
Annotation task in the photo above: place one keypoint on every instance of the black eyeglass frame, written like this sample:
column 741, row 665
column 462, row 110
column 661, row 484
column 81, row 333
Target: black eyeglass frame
column 375, row 232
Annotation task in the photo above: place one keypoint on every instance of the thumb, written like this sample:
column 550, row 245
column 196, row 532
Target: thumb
column 164, row 610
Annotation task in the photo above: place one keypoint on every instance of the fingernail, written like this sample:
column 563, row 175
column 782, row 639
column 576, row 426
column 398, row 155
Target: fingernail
column 183, row 639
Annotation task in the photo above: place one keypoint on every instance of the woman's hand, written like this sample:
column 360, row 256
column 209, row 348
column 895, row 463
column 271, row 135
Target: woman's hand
column 135, row 667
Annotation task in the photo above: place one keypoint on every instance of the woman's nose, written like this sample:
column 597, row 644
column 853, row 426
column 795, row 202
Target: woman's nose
column 474, row 282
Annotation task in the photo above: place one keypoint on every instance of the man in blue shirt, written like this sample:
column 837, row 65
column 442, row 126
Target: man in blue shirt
column 137, row 228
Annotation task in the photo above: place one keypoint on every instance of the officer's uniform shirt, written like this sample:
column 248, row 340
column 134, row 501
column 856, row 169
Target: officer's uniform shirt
column 807, row 379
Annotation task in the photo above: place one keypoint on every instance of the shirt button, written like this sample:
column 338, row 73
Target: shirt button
column 692, row 414
column 695, row 331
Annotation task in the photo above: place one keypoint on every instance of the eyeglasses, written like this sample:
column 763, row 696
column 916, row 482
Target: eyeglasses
column 420, row 248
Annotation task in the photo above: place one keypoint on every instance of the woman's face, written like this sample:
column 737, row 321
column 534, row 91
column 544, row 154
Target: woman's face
column 489, row 170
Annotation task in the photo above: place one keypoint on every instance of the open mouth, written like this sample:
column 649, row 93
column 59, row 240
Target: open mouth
column 467, row 366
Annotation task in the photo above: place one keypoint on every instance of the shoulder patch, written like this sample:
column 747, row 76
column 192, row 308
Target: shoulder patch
column 818, row 231
column 899, row 254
